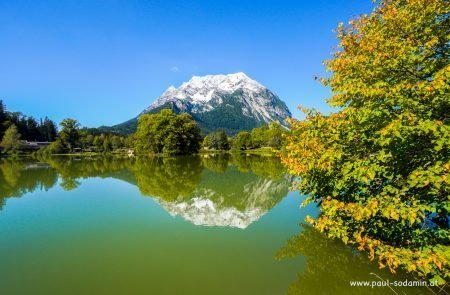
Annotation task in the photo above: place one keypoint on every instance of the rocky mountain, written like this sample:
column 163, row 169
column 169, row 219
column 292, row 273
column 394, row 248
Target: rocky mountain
column 232, row 102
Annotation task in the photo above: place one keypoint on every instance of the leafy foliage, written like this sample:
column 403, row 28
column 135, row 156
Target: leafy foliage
column 70, row 133
column 380, row 166
column 217, row 141
column 11, row 140
column 168, row 133
column 56, row 147
column 243, row 141
column 263, row 136
column 268, row 136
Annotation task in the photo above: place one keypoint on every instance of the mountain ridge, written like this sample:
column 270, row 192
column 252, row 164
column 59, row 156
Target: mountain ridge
column 232, row 102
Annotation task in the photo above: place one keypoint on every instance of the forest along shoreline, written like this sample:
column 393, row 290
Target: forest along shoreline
column 163, row 133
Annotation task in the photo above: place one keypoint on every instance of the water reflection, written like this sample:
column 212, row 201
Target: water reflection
column 210, row 190
column 20, row 177
column 119, row 245
column 331, row 266
column 170, row 179
column 232, row 191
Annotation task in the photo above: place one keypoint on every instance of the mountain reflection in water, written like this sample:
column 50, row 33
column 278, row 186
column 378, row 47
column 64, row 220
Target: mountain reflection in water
column 210, row 190
column 83, row 227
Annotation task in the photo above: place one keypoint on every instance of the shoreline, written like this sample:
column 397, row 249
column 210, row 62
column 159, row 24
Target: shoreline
column 258, row 151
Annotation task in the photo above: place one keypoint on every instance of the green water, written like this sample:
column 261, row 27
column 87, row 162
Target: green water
column 185, row 225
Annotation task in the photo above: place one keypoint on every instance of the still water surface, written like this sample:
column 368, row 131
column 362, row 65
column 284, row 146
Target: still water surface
column 186, row 225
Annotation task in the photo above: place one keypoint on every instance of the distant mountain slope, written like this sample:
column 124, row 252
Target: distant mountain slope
column 231, row 102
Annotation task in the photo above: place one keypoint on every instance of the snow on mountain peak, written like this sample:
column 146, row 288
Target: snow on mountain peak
column 200, row 89
column 171, row 88
column 206, row 93
column 225, row 83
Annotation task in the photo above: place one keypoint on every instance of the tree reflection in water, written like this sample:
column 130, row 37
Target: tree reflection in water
column 331, row 265
column 222, row 189
column 210, row 190
column 20, row 177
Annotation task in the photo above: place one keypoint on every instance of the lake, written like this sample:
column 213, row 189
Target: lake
column 212, row 224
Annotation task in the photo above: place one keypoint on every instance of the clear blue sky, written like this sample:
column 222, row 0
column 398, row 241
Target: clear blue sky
column 102, row 62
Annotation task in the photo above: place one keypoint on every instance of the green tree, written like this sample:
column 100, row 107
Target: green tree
column 98, row 142
column 11, row 140
column 380, row 167
column 275, row 135
column 56, row 147
column 28, row 127
column 167, row 132
column 32, row 130
column 207, row 142
column 129, row 141
column 260, row 136
column 116, row 142
column 86, row 140
column 70, row 133
column 48, row 130
column 216, row 140
column 242, row 141
column 267, row 136
column 107, row 146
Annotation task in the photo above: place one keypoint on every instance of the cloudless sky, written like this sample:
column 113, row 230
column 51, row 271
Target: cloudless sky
column 103, row 62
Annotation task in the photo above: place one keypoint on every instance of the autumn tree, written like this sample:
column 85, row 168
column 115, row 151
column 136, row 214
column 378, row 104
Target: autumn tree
column 380, row 166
